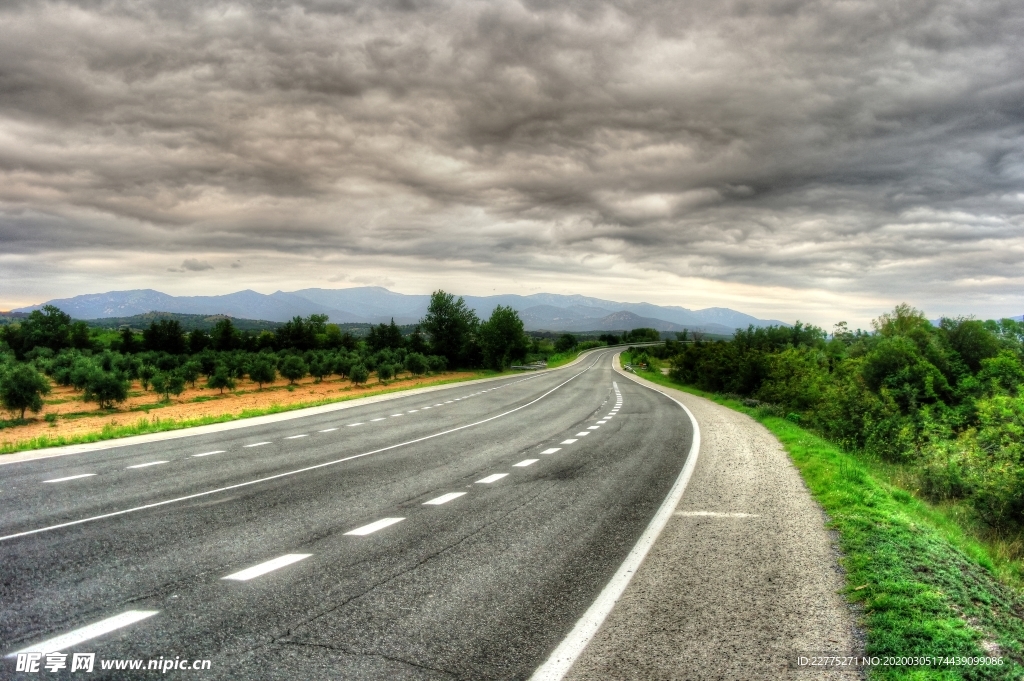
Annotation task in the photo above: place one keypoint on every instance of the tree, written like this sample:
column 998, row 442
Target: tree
column 106, row 388
column 359, row 374
column 502, row 338
column 190, row 372
column 565, row 342
column 385, row 336
column 146, row 374
column 224, row 337
column 384, row 372
column 416, row 363
column 294, row 369
column 450, row 324
column 320, row 367
column 221, row 378
column 164, row 335
column 22, row 388
column 159, row 383
column 129, row 344
column 263, row 371
column 175, row 385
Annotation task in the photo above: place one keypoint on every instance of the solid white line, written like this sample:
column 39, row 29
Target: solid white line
column 151, row 463
column 568, row 651
column 328, row 430
column 374, row 526
column 492, row 478
column 582, row 434
column 73, row 638
column 218, row 451
column 269, row 566
column 567, row 442
column 295, row 437
column 526, row 462
column 257, row 444
column 714, row 514
column 71, row 477
column 298, row 470
column 353, row 425
column 552, row 450
column 443, row 499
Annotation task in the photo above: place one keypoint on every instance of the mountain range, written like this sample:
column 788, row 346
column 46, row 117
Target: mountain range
column 373, row 304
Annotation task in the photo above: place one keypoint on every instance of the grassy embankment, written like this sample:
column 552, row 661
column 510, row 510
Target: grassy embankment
column 929, row 585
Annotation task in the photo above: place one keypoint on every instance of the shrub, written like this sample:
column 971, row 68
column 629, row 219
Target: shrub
column 416, row 363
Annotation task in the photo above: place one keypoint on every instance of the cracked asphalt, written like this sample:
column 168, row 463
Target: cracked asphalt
column 482, row 586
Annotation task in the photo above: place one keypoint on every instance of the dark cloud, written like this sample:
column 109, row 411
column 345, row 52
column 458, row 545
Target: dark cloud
column 864, row 151
column 195, row 265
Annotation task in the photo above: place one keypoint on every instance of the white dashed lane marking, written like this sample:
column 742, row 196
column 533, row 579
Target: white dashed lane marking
column 593, row 427
column 600, row 422
column 382, row 418
column 71, row 477
column 218, row 451
column 353, row 425
column 526, row 462
column 492, row 478
column 328, row 430
column 374, row 526
column 443, row 499
column 257, row 444
column 149, row 463
column 269, row 566
column 582, row 434
column 567, row 442
column 394, row 415
column 94, row 630
column 295, row 437
column 552, row 450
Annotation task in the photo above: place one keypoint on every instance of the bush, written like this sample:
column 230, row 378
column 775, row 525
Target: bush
column 22, row 388
column 359, row 374
column 437, row 363
column 221, row 378
column 294, row 369
column 384, row 372
column 106, row 388
column 416, row 363
column 263, row 371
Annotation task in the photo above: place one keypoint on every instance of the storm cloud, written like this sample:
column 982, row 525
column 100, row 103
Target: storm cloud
column 783, row 157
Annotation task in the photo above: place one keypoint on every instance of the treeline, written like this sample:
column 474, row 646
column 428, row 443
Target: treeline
column 948, row 400
column 166, row 358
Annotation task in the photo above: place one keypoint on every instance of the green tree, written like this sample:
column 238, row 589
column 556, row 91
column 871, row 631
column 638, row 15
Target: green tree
column 263, row 371
column 565, row 342
column 294, row 369
column 146, row 374
column 220, row 379
column 359, row 374
column 106, row 388
column 159, row 383
column 451, row 325
column 224, row 337
column 175, row 385
column 190, row 372
column 416, row 363
column 502, row 338
column 22, row 388
column 384, row 372
column 384, row 336
column 320, row 367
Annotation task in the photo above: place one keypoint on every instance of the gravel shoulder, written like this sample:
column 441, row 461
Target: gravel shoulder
column 744, row 578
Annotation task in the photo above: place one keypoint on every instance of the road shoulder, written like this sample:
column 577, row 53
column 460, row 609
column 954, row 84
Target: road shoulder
column 743, row 579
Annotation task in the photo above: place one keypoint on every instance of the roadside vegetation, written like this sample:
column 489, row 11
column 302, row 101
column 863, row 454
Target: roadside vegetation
column 46, row 353
column 911, row 436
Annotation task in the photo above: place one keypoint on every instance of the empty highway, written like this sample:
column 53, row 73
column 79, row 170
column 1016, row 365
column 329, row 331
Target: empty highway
column 453, row 534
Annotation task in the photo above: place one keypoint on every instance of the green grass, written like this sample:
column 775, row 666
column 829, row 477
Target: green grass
column 926, row 586
column 144, row 426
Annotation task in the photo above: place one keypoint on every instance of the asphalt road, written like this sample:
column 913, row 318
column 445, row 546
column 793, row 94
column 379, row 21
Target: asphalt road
column 556, row 483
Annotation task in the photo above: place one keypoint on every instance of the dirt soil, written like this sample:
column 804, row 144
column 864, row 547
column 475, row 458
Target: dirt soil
column 76, row 417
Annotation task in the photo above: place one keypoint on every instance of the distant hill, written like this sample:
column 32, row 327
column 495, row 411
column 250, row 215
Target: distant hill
column 372, row 305
column 188, row 321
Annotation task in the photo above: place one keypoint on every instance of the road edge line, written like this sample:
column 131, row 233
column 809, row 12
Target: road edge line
column 569, row 650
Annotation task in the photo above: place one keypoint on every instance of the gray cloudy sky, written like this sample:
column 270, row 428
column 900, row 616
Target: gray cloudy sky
column 814, row 160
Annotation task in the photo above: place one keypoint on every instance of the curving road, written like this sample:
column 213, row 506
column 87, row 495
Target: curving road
column 459, row 533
